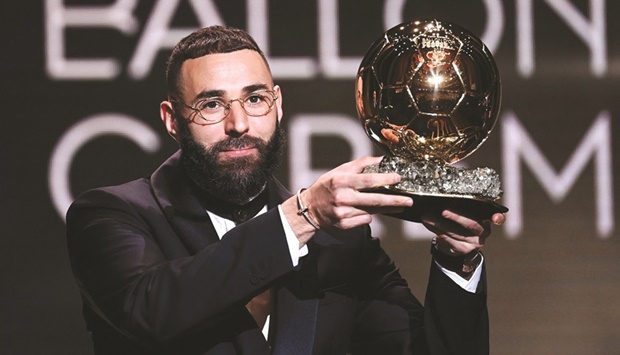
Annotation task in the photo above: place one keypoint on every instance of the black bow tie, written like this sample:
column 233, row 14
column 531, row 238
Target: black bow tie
column 231, row 211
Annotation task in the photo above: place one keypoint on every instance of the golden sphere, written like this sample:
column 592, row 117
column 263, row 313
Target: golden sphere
column 428, row 90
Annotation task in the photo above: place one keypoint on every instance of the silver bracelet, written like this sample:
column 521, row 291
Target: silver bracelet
column 303, row 210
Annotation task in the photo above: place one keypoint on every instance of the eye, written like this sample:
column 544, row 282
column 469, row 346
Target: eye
column 256, row 99
column 210, row 105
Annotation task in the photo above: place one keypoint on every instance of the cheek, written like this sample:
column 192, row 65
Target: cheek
column 207, row 135
column 265, row 128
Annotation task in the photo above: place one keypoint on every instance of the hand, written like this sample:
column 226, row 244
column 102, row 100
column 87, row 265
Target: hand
column 459, row 235
column 335, row 200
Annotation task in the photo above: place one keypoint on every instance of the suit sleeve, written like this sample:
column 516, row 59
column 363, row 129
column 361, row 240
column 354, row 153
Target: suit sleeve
column 452, row 321
column 456, row 321
column 390, row 318
column 116, row 255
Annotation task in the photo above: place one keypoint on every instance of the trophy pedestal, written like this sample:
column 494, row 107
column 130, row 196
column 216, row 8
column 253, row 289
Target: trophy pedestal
column 435, row 186
column 478, row 209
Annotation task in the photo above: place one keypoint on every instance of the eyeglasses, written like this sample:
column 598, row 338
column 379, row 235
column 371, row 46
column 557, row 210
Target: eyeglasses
column 215, row 109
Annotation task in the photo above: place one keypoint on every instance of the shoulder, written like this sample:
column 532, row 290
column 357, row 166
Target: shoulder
column 129, row 203
column 130, row 193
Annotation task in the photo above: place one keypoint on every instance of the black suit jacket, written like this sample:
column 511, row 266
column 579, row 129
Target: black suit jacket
column 156, row 279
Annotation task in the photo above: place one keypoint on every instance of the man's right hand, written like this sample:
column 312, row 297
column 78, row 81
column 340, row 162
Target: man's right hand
column 335, row 199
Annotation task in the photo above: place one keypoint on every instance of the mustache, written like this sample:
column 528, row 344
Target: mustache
column 238, row 143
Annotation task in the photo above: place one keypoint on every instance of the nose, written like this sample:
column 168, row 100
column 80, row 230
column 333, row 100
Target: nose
column 236, row 122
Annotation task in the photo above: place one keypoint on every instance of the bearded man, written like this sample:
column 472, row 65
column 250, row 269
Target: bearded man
column 212, row 255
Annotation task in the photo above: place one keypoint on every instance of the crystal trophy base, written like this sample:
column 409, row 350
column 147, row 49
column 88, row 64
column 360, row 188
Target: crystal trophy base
column 435, row 186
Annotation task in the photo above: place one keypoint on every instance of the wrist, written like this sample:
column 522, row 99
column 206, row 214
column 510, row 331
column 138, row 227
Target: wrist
column 304, row 211
column 300, row 227
column 463, row 265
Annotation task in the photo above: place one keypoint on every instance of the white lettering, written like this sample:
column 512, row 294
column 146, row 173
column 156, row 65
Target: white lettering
column 332, row 65
column 158, row 35
column 494, row 29
column 58, row 17
column 81, row 133
column 518, row 144
column 281, row 68
column 592, row 33
column 301, row 130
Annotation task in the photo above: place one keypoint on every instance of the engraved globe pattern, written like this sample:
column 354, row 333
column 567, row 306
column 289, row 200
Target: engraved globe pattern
column 428, row 90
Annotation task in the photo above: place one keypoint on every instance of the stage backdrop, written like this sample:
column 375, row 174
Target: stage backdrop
column 82, row 80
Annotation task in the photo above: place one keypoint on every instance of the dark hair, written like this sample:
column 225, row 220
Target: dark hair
column 208, row 40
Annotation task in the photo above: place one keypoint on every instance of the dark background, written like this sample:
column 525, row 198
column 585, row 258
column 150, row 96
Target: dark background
column 553, row 283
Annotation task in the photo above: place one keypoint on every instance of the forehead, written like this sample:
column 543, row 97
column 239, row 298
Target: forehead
column 228, row 73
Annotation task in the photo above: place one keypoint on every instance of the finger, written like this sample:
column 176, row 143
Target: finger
column 498, row 218
column 353, row 222
column 443, row 246
column 471, row 225
column 347, row 212
column 455, row 247
column 372, row 180
column 452, row 230
column 373, row 199
column 442, row 226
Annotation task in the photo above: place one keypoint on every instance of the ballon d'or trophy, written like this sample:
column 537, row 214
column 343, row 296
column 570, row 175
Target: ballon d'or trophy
column 428, row 93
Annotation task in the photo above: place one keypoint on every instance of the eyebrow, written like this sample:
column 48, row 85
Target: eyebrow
column 206, row 94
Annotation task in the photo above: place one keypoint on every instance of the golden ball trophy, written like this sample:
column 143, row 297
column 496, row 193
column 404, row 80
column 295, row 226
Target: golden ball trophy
column 428, row 93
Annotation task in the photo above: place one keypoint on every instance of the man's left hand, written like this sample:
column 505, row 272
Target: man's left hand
column 460, row 235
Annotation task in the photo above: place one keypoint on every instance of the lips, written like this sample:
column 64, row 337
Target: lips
column 238, row 152
column 245, row 146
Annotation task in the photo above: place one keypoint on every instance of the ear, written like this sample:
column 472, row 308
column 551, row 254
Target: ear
column 169, row 119
column 278, row 102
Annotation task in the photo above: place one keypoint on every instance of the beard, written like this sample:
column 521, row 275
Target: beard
column 235, row 180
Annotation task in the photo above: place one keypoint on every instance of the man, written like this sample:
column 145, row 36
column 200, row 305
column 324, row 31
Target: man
column 210, row 250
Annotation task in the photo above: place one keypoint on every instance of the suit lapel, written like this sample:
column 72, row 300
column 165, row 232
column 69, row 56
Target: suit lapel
column 295, row 323
column 174, row 192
